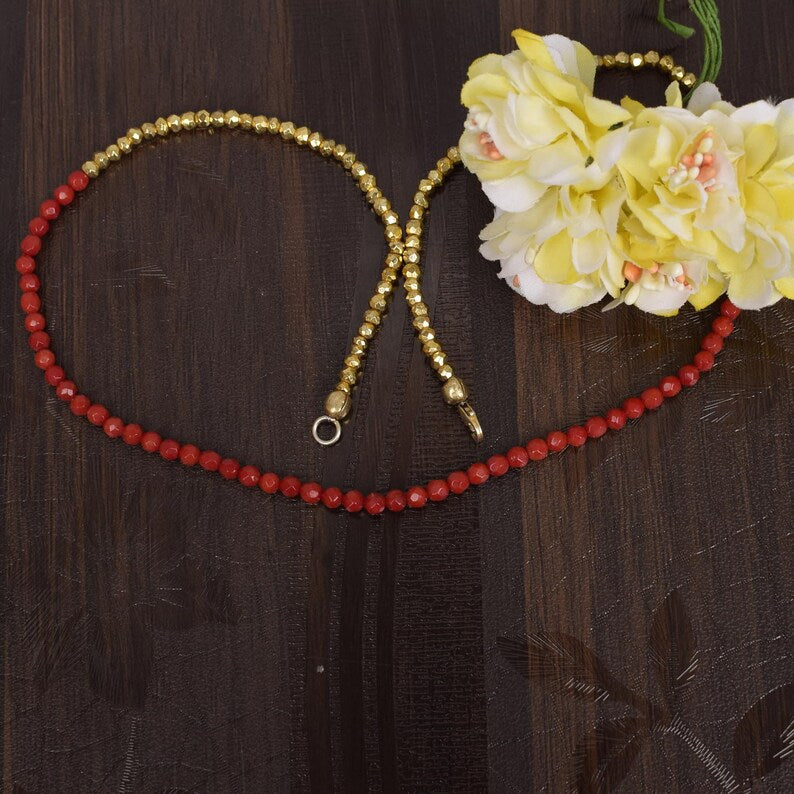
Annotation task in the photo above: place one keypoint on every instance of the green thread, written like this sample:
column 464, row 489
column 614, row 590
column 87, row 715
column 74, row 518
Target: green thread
column 709, row 18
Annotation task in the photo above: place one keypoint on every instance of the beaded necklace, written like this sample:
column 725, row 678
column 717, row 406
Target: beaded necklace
column 403, row 258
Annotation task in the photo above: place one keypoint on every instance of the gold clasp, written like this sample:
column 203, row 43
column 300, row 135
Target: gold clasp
column 471, row 421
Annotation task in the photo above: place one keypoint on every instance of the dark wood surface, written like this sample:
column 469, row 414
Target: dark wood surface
column 168, row 631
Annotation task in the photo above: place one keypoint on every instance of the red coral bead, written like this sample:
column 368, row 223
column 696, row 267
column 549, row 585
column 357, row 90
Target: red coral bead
column 132, row 434
column 374, row 504
column 228, row 468
column 189, row 454
column 79, row 405
column 437, row 490
column 396, row 501
column 596, row 426
column 576, row 435
column 353, row 501
column 30, row 302
column 478, row 473
column 29, row 282
column 616, row 418
column 249, row 476
column 289, row 486
column 497, row 465
column 54, row 375
column 537, row 449
column 25, row 264
column 44, row 358
column 169, row 449
column 556, row 441
column 38, row 227
column 65, row 390
column 689, row 375
column 517, row 457
column 652, row 398
column 269, row 482
column 458, row 481
column 78, row 180
column 332, row 498
column 634, row 407
column 416, row 496
column 704, row 360
column 727, row 309
column 722, row 326
column 30, row 245
column 38, row 340
column 209, row 460
column 63, row 194
column 150, row 441
column 49, row 209
column 712, row 343
column 113, row 427
column 669, row 386
column 311, row 492
column 97, row 414
column 35, row 322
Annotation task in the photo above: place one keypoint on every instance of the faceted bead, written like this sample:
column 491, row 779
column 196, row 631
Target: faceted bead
column 209, row 460
column 25, row 264
column 49, row 209
column 478, row 473
column 634, row 407
column 30, row 302
column 169, row 449
column 712, row 343
column 396, row 501
column 497, row 465
column 353, row 501
column 596, row 426
column 616, row 418
column 652, row 398
column 65, row 390
column 79, row 405
column 669, row 386
column 689, row 375
column 704, row 360
column 269, row 482
column 537, row 449
column 132, row 434
column 556, row 441
column 374, row 504
column 437, row 490
column 113, row 427
column 78, row 180
column 150, row 441
column 29, row 282
column 97, row 414
column 416, row 497
column 517, row 457
column 290, row 486
column 44, row 358
column 64, row 194
column 576, row 436
column 249, row 476
column 38, row 340
column 54, row 375
column 38, row 227
column 228, row 468
column 189, row 454
column 727, row 309
column 458, row 481
column 311, row 492
column 30, row 245
column 332, row 498
column 35, row 322
column 722, row 326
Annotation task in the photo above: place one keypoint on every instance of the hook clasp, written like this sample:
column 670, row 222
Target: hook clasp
column 471, row 421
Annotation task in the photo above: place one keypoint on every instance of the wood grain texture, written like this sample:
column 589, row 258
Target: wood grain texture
column 166, row 631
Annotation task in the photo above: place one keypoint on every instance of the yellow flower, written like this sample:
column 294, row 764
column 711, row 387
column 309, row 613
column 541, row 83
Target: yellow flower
column 534, row 123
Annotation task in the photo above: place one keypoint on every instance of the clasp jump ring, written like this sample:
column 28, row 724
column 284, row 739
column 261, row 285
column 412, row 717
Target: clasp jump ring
column 323, row 420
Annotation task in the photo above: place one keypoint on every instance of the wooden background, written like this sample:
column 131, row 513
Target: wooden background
column 166, row 631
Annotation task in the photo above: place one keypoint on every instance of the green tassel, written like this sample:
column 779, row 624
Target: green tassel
column 709, row 18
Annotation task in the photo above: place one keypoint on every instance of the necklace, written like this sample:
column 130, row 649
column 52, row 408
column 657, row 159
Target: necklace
column 403, row 257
